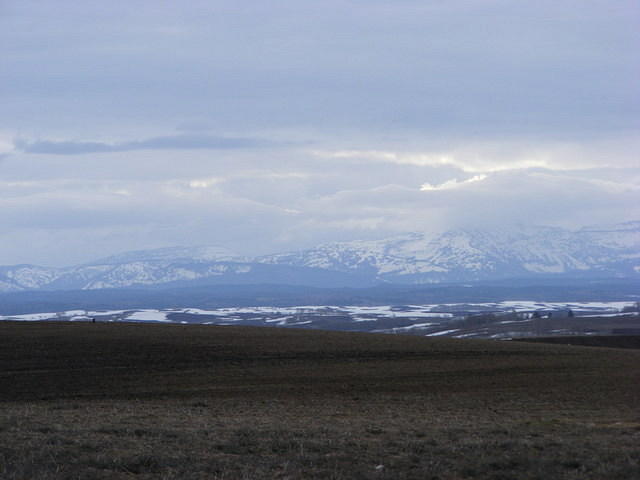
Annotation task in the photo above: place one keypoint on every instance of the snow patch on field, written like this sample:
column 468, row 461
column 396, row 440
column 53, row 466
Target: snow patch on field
column 431, row 319
column 415, row 325
column 149, row 316
column 104, row 313
column 627, row 314
column 31, row 317
column 444, row 332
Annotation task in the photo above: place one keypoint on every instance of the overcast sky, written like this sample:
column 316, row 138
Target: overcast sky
column 267, row 126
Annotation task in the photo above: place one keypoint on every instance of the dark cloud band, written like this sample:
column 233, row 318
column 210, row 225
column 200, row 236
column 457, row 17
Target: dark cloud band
column 175, row 142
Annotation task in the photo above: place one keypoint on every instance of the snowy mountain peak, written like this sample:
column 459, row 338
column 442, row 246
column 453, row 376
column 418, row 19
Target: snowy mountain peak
column 476, row 254
column 460, row 255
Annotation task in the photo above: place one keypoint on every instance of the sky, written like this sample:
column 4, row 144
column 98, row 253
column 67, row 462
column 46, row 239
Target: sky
column 268, row 126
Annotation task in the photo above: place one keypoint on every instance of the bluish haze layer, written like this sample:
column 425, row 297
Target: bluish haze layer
column 273, row 125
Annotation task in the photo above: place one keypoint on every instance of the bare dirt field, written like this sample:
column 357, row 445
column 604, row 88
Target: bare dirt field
column 105, row 401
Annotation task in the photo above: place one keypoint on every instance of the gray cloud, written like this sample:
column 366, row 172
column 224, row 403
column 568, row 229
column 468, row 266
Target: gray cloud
column 289, row 210
column 536, row 101
column 175, row 142
column 455, row 68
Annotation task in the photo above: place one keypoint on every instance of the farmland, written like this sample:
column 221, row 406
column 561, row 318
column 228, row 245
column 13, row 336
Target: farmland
column 123, row 400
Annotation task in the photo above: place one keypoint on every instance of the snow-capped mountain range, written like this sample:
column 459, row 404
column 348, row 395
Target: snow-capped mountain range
column 467, row 255
column 462, row 255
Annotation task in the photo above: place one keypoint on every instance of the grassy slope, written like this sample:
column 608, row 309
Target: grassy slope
column 170, row 401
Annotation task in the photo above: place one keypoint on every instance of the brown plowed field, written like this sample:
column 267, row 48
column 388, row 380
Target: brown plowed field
column 87, row 401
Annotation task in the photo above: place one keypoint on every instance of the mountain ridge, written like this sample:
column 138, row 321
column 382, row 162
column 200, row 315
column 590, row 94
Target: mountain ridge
column 453, row 256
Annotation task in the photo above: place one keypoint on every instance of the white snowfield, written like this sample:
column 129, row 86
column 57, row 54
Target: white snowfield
column 282, row 315
column 443, row 332
column 475, row 252
column 32, row 317
column 148, row 316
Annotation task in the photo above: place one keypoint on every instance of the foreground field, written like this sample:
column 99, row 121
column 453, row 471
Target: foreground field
column 87, row 401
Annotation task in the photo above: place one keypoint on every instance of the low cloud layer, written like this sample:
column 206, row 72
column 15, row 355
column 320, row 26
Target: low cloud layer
column 265, row 126
column 266, row 200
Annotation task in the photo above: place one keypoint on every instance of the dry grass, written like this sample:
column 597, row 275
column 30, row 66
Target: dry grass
column 82, row 401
